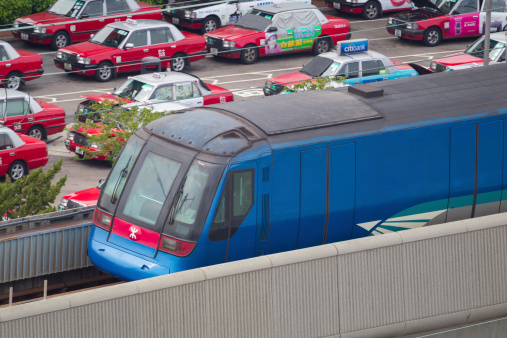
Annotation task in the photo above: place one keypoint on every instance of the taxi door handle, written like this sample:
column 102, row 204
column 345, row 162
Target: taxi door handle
column 145, row 50
column 12, row 154
column 173, row 46
column 475, row 16
column 101, row 20
column 8, row 65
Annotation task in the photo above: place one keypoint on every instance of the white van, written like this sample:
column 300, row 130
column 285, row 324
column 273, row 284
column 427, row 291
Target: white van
column 196, row 15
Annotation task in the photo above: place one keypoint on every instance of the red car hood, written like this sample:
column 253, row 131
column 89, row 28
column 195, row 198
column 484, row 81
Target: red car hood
column 290, row 78
column 44, row 17
column 458, row 59
column 102, row 97
column 88, row 49
column 90, row 131
column 232, row 33
column 217, row 90
column 86, row 197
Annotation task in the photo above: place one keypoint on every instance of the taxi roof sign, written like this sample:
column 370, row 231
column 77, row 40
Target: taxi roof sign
column 131, row 21
column 353, row 46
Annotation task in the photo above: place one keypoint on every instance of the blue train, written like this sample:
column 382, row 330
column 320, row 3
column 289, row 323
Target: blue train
column 262, row 176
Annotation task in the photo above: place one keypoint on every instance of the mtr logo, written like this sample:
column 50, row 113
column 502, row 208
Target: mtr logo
column 350, row 47
column 135, row 233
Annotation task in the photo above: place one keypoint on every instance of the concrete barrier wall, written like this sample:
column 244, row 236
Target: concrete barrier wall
column 391, row 285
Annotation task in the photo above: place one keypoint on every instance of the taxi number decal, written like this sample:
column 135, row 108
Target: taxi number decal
column 17, row 127
column 118, row 59
column 222, row 99
column 161, row 52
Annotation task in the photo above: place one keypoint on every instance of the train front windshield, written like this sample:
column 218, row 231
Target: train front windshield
column 166, row 191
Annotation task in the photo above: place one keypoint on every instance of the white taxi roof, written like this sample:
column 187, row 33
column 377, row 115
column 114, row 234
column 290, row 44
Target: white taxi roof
column 499, row 36
column 284, row 7
column 9, row 49
column 169, row 77
column 368, row 55
column 16, row 94
column 147, row 24
column 16, row 140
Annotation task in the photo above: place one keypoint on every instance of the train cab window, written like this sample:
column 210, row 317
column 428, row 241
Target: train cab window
column 150, row 189
column 236, row 201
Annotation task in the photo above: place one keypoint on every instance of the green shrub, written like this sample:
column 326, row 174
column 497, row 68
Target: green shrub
column 12, row 9
column 41, row 5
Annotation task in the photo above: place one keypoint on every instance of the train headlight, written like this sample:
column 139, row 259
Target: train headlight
column 102, row 220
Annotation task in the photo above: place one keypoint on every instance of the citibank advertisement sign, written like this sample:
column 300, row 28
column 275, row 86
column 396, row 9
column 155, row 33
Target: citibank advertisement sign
column 353, row 46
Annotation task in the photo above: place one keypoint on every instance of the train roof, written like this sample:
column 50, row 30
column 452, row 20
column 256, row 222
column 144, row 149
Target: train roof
column 314, row 116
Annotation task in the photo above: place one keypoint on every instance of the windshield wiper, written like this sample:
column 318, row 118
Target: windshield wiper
column 176, row 201
column 123, row 174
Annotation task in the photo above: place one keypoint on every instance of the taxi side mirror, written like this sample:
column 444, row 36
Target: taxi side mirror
column 92, row 35
column 272, row 29
column 129, row 45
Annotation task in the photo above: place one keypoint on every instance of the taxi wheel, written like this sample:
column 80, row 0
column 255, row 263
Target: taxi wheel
column 13, row 80
column 371, row 10
column 322, row 45
column 209, row 24
column 249, row 55
column 178, row 62
column 60, row 39
column 17, row 170
column 104, row 71
column 36, row 132
column 432, row 37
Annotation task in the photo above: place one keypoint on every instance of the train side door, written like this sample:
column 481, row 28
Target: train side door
column 327, row 195
column 264, row 201
column 476, row 162
column 232, row 231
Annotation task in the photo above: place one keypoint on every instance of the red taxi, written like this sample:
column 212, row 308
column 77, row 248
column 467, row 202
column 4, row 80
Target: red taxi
column 277, row 29
column 82, row 198
column 159, row 91
column 20, row 153
column 120, row 47
column 26, row 115
column 435, row 20
column 71, row 21
column 17, row 66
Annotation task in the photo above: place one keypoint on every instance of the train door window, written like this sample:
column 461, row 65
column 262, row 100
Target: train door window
column 150, row 189
column 349, row 70
column 5, row 142
column 236, row 201
column 17, row 108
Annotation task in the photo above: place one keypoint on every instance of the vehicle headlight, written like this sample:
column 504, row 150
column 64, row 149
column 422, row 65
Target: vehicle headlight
column 59, row 55
column 70, row 136
column 83, row 60
column 64, row 202
column 38, row 29
column 412, row 26
column 188, row 14
column 16, row 24
column 267, row 84
column 352, row 1
column 433, row 65
column 194, row 15
column 95, row 145
column 390, row 21
column 229, row 44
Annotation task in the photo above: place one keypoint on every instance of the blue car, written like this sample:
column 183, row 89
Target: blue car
column 351, row 61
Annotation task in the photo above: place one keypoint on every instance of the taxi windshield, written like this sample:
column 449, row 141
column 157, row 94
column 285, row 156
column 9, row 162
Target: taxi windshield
column 134, row 90
column 444, row 5
column 255, row 20
column 110, row 36
column 69, row 8
column 477, row 49
column 319, row 66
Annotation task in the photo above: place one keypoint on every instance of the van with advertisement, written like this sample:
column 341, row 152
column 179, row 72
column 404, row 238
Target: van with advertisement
column 194, row 15
column 498, row 16
column 369, row 9
column 436, row 20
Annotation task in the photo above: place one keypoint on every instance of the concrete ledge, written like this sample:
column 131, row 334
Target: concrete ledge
column 171, row 280
column 103, row 294
column 303, row 255
column 434, row 231
column 488, row 312
column 237, row 267
column 392, row 330
column 34, row 309
column 435, row 323
column 485, row 222
column 368, row 243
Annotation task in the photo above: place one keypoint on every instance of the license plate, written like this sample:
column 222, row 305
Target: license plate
column 24, row 36
column 266, row 90
column 176, row 21
column 213, row 51
column 61, row 208
column 67, row 66
column 336, row 5
column 397, row 32
column 79, row 151
column 67, row 142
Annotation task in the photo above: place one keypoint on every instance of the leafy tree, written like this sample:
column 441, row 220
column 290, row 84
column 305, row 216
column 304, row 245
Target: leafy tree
column 320, row 83
column 117, row 125
column 31, row 194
